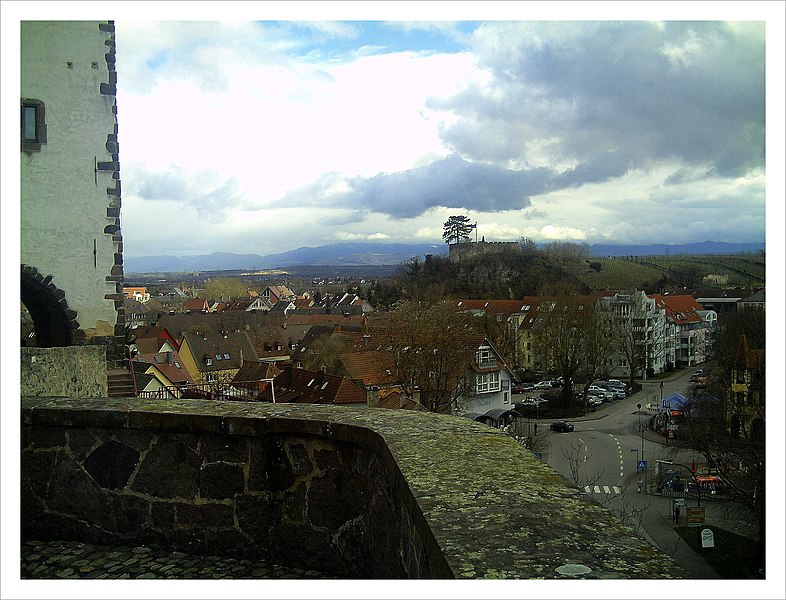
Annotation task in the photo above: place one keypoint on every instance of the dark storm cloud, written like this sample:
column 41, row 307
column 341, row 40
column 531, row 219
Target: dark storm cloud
column 646, row 91
column 450, row 182
column 600, row 168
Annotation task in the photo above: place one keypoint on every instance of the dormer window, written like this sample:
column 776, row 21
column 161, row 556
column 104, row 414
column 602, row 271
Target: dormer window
column 218, row 357
column 226, row 355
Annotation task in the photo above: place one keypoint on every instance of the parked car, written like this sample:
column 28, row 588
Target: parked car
column 594, row 401
column 617, row 383
column 562, row 426
column 543, row 385
column 521, row 388
column 618, row 394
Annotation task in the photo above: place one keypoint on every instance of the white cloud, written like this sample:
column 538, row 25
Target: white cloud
column 550, row 232
column 549, row 130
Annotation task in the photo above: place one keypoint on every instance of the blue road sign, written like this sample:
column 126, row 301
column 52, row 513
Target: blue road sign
column 642, row 464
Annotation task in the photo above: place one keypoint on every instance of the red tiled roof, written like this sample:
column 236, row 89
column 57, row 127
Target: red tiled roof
column 315, row 387
column 155, row 332
column 680, row 309
column 195, row 304
column 747, row 357
column 294, row 318
column 371, row 367
column 392, row 398
column 506, row 307
column 233, row 347
column 255, row 372
column 161, row 360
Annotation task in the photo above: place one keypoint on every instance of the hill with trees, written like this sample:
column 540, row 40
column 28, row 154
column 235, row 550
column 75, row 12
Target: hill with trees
column 516, row 270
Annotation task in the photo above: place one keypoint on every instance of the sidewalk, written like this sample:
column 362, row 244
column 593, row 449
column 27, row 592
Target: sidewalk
column 658, row 530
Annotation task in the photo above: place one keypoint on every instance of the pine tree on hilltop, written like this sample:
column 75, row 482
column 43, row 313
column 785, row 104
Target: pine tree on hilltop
column 457, row 229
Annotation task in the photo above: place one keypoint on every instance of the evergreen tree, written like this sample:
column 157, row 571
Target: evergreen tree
column 457, row 229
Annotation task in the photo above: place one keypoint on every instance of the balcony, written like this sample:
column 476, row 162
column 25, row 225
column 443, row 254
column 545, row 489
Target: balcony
column 487, row 363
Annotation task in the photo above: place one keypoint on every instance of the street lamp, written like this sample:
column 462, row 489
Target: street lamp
column 638, row 411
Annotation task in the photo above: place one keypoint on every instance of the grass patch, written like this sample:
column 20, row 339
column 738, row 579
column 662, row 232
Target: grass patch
column 733, row 557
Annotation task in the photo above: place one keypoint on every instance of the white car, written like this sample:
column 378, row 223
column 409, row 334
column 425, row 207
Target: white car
column 543, row 385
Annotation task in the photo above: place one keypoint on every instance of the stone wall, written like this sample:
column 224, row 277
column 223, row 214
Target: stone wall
column 350, row 492
column 71, row 371
column 469, row 250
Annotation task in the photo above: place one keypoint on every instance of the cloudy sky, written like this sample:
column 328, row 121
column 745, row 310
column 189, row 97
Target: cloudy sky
column 265, row 134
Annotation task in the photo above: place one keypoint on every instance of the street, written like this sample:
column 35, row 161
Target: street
column 607, row 458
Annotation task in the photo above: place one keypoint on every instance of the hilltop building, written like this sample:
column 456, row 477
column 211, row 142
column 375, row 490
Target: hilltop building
column 469, row 249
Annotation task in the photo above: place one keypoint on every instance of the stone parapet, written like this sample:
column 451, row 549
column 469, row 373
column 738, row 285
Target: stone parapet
column 362, row 493
column 70, row 371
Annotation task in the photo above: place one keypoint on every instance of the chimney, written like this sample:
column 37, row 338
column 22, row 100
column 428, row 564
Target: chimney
column 372, row 396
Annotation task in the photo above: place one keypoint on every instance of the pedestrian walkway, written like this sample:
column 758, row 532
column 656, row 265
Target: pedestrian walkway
column 603, row 489
column 75, row 560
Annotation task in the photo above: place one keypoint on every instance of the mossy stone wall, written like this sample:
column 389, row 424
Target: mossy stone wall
column 351, row 492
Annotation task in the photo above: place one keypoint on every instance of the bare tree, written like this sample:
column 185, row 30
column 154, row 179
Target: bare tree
column 528, row 434
column 327, row 352
column 625, row 510
column 576, row 464
column 225, row 288
column 570, row 338
column 727, row 423
column 632, row 326
column 431, row 350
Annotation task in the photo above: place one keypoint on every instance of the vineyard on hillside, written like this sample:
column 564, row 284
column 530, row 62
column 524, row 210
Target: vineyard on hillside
column 643, row 272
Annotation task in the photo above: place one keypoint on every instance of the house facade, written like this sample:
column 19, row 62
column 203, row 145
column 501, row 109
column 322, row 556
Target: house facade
column 71, row 244
column 140, row 294
column 641, row 326
column 746, row 402
column 276, row 293
column 687, row 332
column 489, row 382
column 507, row 317
column 211, row 357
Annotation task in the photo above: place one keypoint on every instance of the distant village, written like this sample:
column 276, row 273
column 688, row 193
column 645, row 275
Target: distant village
column 311, row 346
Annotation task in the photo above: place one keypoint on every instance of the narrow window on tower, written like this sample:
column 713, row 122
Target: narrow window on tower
column 33, row 125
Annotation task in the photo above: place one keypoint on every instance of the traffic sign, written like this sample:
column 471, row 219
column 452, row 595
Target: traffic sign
column 695, row 516
column 641, row 465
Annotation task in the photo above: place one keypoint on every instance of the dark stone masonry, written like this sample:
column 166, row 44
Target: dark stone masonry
column 332, row 491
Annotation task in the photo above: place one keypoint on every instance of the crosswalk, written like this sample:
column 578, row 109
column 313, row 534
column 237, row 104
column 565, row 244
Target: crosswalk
column 602, row 489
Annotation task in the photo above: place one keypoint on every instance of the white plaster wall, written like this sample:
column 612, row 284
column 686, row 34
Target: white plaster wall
column 63, row 209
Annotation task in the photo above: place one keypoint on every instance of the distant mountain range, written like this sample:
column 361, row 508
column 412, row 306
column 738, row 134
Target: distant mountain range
column 372, row 254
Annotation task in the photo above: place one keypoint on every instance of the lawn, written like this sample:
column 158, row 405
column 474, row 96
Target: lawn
column 733, row 557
